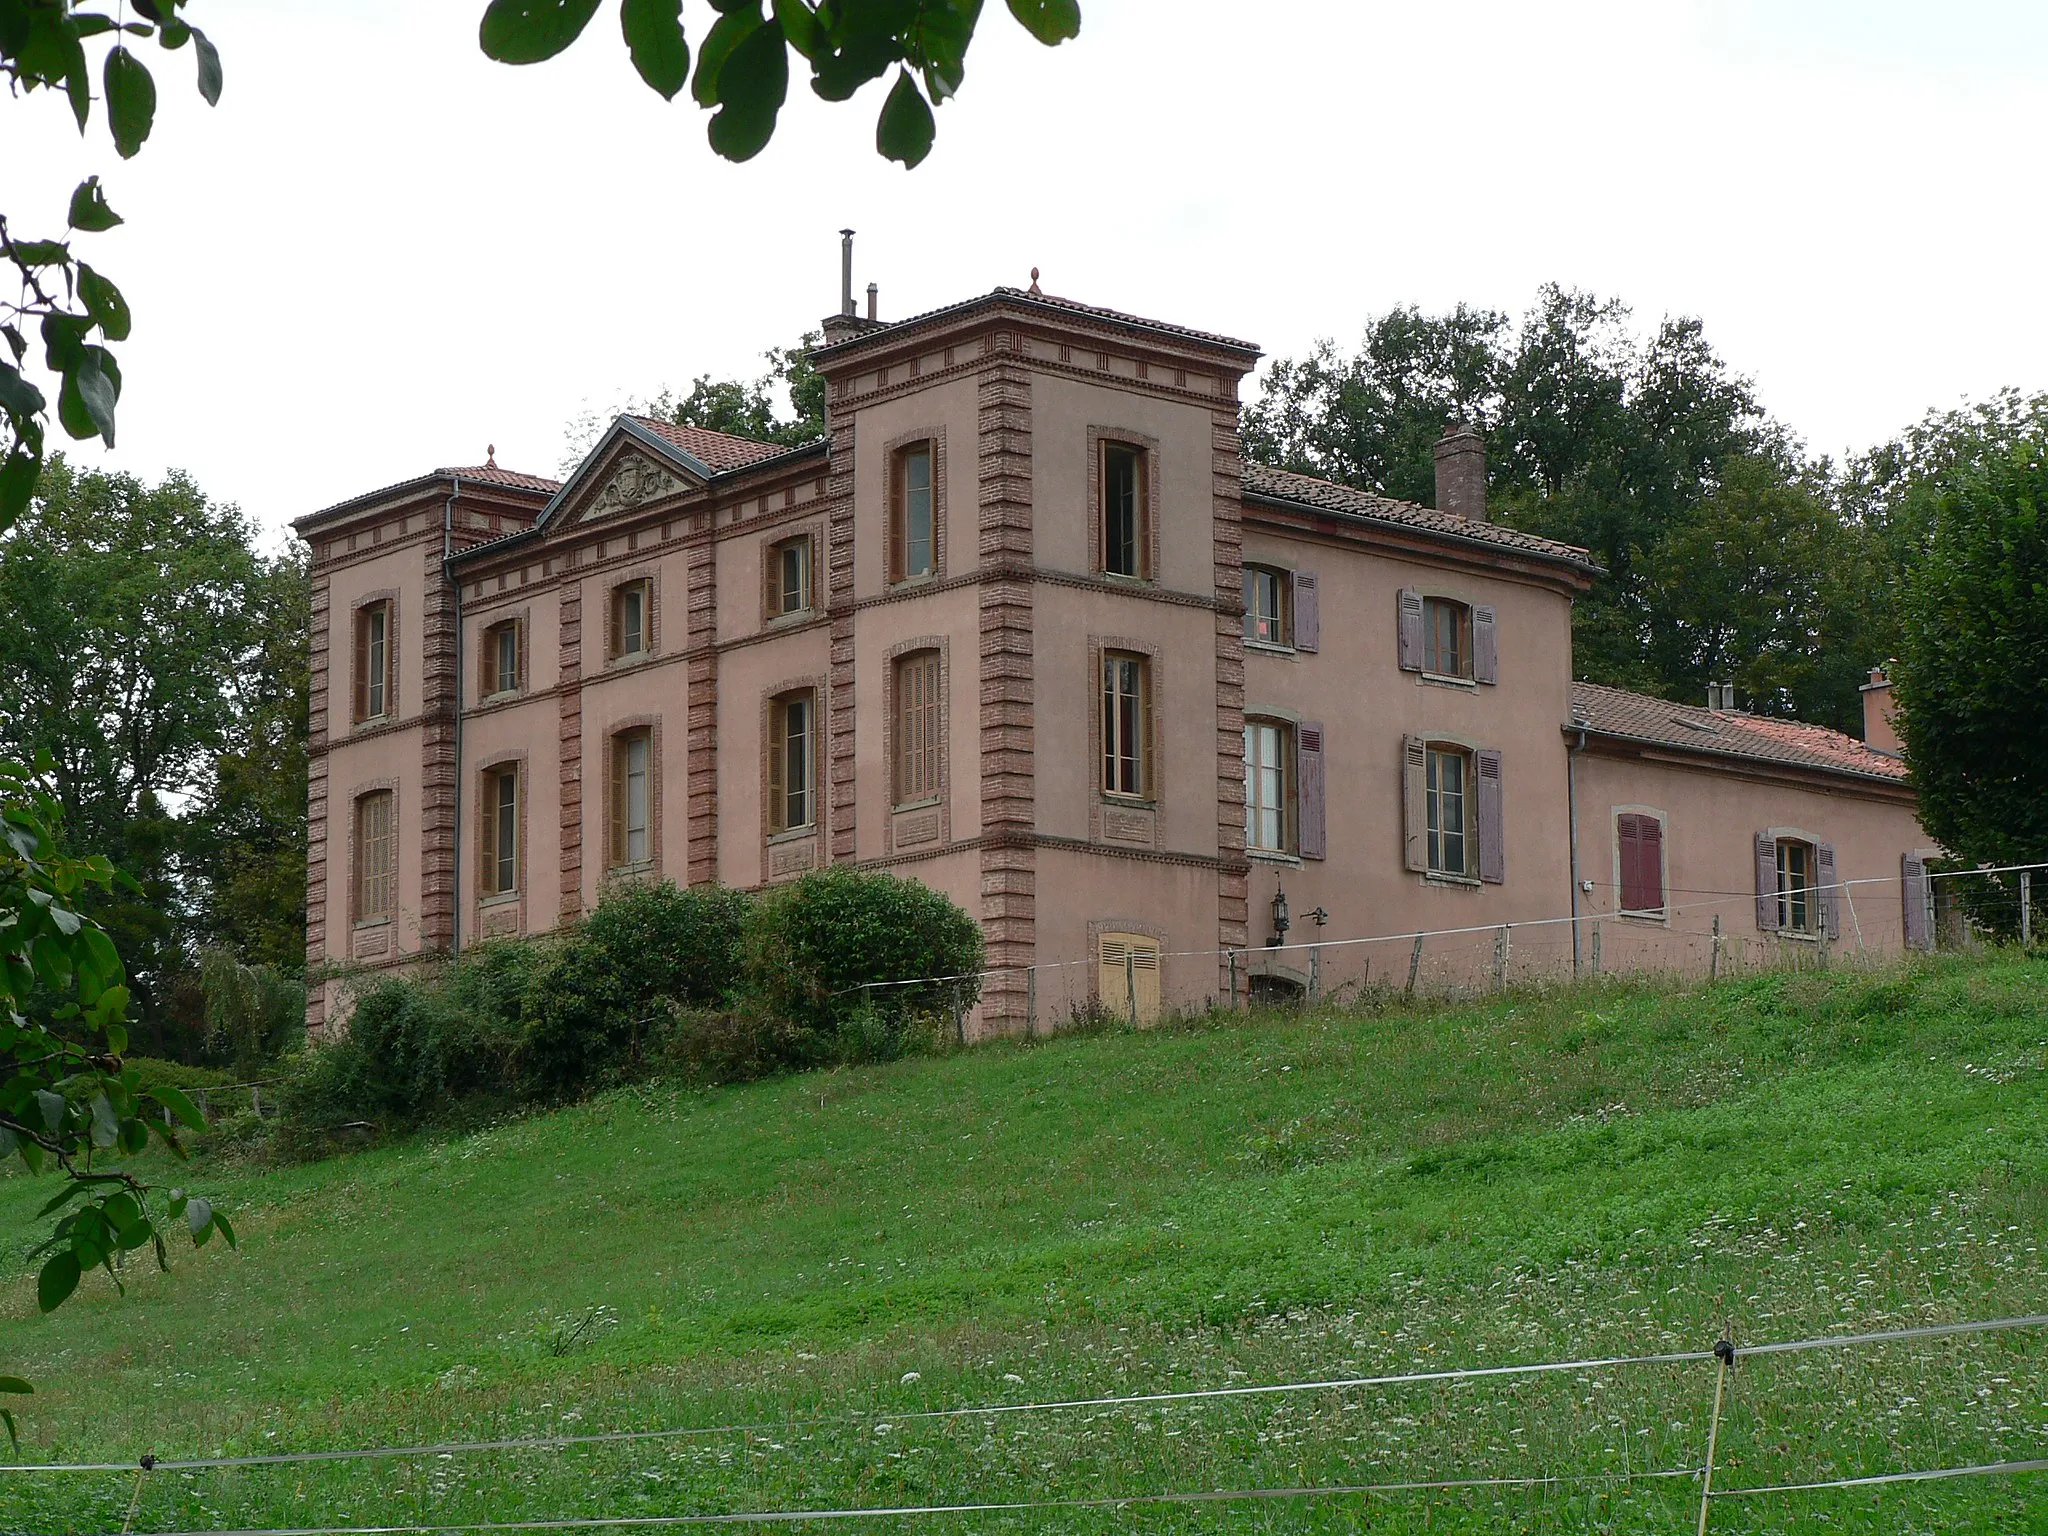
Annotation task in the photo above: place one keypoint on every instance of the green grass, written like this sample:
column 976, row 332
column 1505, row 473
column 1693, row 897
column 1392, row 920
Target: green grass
column 1610, row 1170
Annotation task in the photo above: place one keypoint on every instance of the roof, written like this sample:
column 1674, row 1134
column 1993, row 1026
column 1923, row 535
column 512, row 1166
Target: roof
column 717, row 451
column 1637, row 717
column 1029, row 299
column 1283, row 485
column 488, row 474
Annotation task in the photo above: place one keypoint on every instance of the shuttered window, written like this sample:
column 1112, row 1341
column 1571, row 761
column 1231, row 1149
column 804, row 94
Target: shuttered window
column 373, row 661
column 1640, row 841
column 1313, row 841
column 913, row 542
column 792, row 794
column 1448, row 794
column 1128, row 981
column 1265, row 607
column 1454, row 811
column 917, row 728
column 1124, row 534
column 1127, row 725
column 1446, row 638
column 501, row 658
column 632, row 620
column 1268, row 796
column 631, row 797
column 376, row 857
column 1798, row 876
column 789, row 577
column 498, row 871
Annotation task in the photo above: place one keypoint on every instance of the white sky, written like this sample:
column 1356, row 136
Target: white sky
column 382, row 251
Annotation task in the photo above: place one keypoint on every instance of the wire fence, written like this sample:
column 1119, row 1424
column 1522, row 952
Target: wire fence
column 1727, row 1358
column 1698, row 936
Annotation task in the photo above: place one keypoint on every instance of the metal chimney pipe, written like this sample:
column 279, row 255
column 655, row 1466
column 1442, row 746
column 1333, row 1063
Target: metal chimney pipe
column 874, row 302
column 846, row 273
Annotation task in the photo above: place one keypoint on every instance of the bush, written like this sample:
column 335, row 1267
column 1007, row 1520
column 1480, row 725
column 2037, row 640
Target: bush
column 733, row 1045
column 816, row 941
column 672, row 943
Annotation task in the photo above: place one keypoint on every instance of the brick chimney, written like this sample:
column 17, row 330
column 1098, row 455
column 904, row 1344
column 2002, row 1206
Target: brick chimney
column 1461, row 472
column 1879, row 734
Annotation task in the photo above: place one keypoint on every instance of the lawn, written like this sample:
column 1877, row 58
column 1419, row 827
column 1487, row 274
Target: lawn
column 1610, row 1170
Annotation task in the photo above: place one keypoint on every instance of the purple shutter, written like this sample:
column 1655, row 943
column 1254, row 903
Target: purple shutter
column 1411, row 631
column 1492, row 847
column 1485, row 647
column 1830, row 892
column 1308, row 612
column 1913, row 891
column 1308, row 768
column 1628, row 834
column 1650, row 871
column 1766, row 882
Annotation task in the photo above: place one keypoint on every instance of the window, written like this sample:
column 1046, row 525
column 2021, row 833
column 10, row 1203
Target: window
column 913, row 532
column 1446, row 638
column 499, row 870
column 1127, row 983
column 1639, row 848
column 792, row 793
column 373, row 660
column 501, row 658
column 1126, row 725
column 632, row 629
column 1124, row 534
column 1266, row 619
column 1798, row 879
column 632, row 753
column 376, row 858
column 789, row 577
column 917, row 728
column 1269, row 796
column 1449, row 808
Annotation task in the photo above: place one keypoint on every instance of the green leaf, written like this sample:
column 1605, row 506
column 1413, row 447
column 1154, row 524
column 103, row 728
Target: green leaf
column 41, row 253
column 1050, row 21
column 85, row 403
column 18, row 475
column 199, row 1216
column 905, row 130
column 209, row 66
column 176, row 1102
column 117, row 1035
column 131, row 101
column 527, row 31
column 52, row 1106
column 752, row 85
column 72, row 1190
column 13, row 1434
column 801, row 27
column 89, row 210
column 106, row 1125
column 104, row 303
column 18, row 397
column 726, row 34
column 17, row 1386
column 227, row 1231
column 134, row 1138
column 59, row 1278
column 654, row 36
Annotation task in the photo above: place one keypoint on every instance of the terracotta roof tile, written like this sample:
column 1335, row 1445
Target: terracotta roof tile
column 1346, row 501
column 1728, row 733
column 492, row 475
column 720, row 450
column 870, row 330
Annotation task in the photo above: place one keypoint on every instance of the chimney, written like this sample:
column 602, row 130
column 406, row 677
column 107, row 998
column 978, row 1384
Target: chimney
column 846, row 273
column 1461, row 472
column 1721, row 697
column 874, row 302
column 1879, row 734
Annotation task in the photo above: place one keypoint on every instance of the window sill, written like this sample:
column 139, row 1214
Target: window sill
column 1453, row 882
column 1794, row 933
column 498, row 898
column 503, row 695
column 630, row 660
column 793, row 834
column 371, row 922
column 371, row 722
column 792, row 617
column 1273, row 856
column 627, row 871
column 916, row 805
column 1444, row 680
column 1117, row 579
column 1270, row 648
column 1653, row 917
column 921, row 579
column 1128, row 802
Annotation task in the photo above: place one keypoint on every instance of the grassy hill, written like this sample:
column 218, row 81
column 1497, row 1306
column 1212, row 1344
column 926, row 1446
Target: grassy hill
column 1610, row 1170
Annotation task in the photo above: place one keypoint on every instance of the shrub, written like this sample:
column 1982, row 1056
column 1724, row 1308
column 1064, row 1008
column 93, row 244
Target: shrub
column 254, row 1013
column 678, row 944
column 732, row 1045
column 814, row 942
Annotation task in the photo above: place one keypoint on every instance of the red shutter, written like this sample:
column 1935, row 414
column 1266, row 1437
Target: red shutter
column 1628, row 833
column 1766, row 882
column 1830, row 892
column 1485, row 647
column 1308, row 613
column 1309, row 771
column 1492, row 845
column 1913, row 891
column 1410, row 629
column 1650, row 846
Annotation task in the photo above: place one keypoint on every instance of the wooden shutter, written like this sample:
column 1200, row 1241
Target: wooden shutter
column 1308, row 612
column 1628, row 835
column 1830, row 891
column 620, row 757
column 1766, row 882
column 616, row 605
column 1485, row 647
column 899, row 514
column 1128, row 965
column 1492, row 840
column 1415, row 803
column 1308, row 772
column 778, row 751
column 1145, row 979
column 362, row 663
column 1410, row 631
column 1913, row 890
column 1148, row 780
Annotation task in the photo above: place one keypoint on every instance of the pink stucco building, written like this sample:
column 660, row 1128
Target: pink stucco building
column 1025, row 625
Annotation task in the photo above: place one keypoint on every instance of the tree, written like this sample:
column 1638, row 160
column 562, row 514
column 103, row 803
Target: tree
column 784, row 405
column 67, row 1099
column 743, row 62
column 74, row 309
column 1973, row 500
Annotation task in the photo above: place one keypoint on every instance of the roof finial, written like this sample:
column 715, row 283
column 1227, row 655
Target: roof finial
column 490, row 456
column 1034, row 282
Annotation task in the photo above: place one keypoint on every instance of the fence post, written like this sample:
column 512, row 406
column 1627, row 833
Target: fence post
column 1501, row 941
column 1131, row 985
column 1598, row 929
column 959, row 1018
column 1724, row 1356
column 1233, row 981
column 2026, row 906
column 1030, row 1001
column 1414, row 964
column 256, row 1100
column 1714, row 958
column 1315, row 973
column 202, row 1105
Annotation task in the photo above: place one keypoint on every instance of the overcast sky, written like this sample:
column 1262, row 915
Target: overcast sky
column 382, row 252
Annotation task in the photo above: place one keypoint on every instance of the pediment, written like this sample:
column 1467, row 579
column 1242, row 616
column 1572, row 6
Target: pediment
column 634, row 480
column 628, row 469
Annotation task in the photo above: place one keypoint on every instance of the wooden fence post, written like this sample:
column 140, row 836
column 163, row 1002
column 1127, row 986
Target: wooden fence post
column 1501, row 942
column 1030, row 1001
column 1414, row 964
column 1598, row 929
column 1233, row 981
column 1131, row 985
column 1714, row 956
